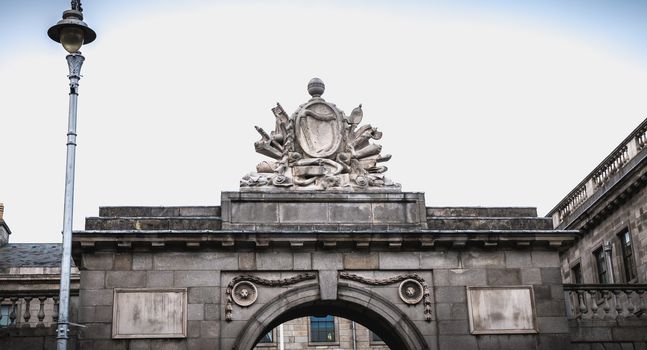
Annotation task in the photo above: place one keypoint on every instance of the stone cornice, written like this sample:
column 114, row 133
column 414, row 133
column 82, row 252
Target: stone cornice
column 254, row 240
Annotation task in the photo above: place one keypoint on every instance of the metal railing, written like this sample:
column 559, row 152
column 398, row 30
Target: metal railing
column 606, row 301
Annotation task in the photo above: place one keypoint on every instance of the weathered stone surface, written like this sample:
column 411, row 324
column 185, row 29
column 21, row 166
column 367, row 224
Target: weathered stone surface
column 361, row 261
column 191, row 261
column 328, row 284
column 123, row 261
column 204, row 295
column 196, row 278
column 531, row 276
column 508, row 212
column 159, row 278
column 450, row 295
column 210, row 329
column 211, row 312
column 93, row 279
column 98, row 261
column 545, row 258
column 390, row 261
column 302, row 261
column 274, row 260
column 551, row 275
column 94, row 297
column 246, row 261
column 439, row 260
column 142, row 261
column 520, row 258
column 549, row 324
column 124, row 279
column 327, row 261
column 457, row 342
column 503, row 277
column 467, row 277
column 350, row 212
column 479, row 258
column 195, row 312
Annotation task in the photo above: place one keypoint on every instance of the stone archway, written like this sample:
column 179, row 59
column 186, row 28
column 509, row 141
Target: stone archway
column 359, row 305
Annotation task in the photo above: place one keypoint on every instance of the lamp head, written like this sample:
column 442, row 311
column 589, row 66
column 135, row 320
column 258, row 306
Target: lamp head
column 71, row 31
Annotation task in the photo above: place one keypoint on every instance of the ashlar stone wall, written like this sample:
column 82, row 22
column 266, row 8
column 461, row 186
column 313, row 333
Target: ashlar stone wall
column 205, row 273
column 632, row 216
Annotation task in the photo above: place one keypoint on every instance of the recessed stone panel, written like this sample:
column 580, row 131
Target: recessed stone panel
column 254, row 212
column 149, row 313
column 303, row 212
column 350, row 212
column 501, row 310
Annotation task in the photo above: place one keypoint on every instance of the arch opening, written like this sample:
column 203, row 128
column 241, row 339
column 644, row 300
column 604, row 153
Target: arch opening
column 370, row 310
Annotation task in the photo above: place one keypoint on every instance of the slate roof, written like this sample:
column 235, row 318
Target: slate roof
column 30, row 255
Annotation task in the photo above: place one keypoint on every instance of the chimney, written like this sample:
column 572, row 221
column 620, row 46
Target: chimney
column 4, row 229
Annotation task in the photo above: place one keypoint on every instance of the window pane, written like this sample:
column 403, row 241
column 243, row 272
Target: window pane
column 267, row 338
column 627, row 256
column 601, row 265
column 375, row 337
column 576, row 273
column 322, row 329
column 4, row 311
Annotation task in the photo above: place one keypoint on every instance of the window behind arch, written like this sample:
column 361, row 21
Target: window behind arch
column 322, row 329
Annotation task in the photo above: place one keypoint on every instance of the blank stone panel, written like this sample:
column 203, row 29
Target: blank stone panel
column 149, row 313
column 501, row 310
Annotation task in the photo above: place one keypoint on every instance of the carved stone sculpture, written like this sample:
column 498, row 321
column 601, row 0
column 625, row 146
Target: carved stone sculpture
column 319, row 148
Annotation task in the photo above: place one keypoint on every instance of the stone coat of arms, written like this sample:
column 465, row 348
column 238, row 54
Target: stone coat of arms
column 319, row 148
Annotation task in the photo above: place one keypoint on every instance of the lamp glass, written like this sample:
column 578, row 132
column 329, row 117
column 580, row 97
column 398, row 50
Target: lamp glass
column 72, row 39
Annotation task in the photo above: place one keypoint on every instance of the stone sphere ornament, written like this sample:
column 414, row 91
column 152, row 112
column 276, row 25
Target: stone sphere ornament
column 244, row 293
column 411, row 291
column 316, row 87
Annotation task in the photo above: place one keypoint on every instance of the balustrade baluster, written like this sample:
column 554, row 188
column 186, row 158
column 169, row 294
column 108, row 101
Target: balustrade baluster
column 642, row 306
column 594, row 303
column 571, row 302
column 619, row 308
column 630, row 304
column 606, row 307
column 27, row 314
column 41, row 310
column 55, row 314
column 12, row 315
column 582, row 303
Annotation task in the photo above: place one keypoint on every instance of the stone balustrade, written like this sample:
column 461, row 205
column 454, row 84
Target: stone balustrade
column 631, row 147
column 610, row 166
column 29, row 308
column 606, row 301
column 641, row 137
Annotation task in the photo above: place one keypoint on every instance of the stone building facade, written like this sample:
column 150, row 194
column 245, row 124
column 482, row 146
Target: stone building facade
column 318, row 243
column 609, row 206
column 605, row 271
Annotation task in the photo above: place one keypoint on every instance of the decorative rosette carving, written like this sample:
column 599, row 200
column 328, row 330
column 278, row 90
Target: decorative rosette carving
column 242, row 290
column 412, row 290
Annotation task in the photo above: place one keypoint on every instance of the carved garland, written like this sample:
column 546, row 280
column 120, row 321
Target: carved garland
column 409, row 281
column 242, row 291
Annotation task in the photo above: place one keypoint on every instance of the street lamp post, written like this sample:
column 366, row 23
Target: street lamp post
column 72, row 33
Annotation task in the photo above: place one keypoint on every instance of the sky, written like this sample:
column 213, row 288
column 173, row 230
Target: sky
column 498, row 103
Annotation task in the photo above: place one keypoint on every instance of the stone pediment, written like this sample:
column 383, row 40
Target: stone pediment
column 319, row 148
